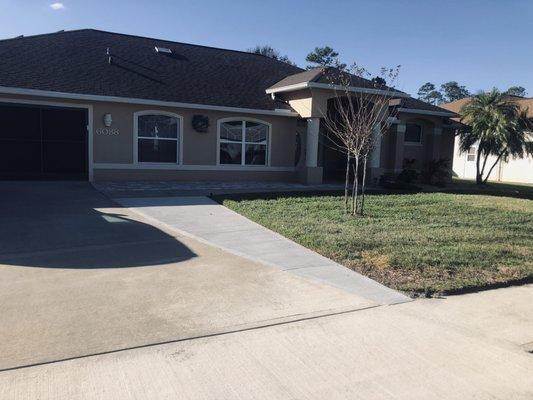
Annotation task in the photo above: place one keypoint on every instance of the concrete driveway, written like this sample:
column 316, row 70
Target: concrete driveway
column 97, row 303
column 79, row 275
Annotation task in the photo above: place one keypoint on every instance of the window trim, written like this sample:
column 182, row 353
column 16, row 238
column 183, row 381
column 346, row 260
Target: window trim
column 410, row 143
column 179, row 139
column 243, row 142
column 468, row 154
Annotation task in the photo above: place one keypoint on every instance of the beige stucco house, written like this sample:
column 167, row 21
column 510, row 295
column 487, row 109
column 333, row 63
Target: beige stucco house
column 96, row 105
column 512, row 169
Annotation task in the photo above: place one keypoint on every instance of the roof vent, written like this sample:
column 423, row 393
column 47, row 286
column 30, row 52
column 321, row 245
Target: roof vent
column 164, row 50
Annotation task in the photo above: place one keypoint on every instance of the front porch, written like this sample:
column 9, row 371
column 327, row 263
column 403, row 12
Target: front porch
column 412, row 141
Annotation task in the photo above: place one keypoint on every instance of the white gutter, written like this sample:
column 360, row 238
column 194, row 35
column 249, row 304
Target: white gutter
column 328, row 86
column 130, row 100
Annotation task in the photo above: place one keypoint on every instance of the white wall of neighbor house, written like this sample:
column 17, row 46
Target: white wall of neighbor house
column 519, row 170
column 113, row 150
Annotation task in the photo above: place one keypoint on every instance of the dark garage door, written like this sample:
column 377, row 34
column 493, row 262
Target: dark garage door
column 40, row 142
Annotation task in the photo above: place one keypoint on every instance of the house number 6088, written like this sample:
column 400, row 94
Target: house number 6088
column 107, row 131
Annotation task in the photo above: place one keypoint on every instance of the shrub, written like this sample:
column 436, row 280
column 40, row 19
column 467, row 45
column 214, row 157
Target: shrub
column 408, row 174
column 436, row 172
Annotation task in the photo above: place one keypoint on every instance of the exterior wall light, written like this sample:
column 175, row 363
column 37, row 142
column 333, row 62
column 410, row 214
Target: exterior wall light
column 108, row 120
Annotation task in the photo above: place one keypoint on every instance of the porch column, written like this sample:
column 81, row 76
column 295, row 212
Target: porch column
column 375, row 156
column 311, row 154
column 312, row 173
column 437, row 134
column 400, row 139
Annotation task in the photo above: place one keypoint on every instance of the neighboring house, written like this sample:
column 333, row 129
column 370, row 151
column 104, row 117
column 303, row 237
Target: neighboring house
column 512, row 169
column 96, row 105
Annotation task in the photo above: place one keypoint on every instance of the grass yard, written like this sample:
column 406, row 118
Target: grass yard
column 421, row 243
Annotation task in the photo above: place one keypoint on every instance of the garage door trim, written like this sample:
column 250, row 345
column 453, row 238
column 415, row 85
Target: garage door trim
column 87, row 107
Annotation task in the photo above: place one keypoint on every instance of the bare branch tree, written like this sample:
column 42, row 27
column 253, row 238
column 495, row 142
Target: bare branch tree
column 357, row 117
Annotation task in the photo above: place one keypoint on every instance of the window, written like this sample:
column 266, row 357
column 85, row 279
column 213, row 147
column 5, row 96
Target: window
column 243, row 142
column 413, row 133
column 158, row 137
column 471, row 155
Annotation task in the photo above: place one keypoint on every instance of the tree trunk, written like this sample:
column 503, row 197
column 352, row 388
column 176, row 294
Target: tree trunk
column 493, row 165
column 346, row 182
column 479, row 181
column 482, row 171
column 363, row 184
column 355, row 188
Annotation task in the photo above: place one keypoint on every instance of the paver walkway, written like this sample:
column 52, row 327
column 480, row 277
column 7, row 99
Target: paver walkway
column 210, row 222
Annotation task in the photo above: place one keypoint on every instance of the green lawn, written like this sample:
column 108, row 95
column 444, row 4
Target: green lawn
column 421, row 243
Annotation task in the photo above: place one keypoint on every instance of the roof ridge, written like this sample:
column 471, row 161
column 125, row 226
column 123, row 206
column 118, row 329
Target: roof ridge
column 140, row 37
column 21, row 37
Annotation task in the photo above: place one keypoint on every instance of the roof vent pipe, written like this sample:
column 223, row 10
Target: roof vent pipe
column 109, row 57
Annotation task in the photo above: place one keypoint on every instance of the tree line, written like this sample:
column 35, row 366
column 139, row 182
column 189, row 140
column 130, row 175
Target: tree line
column 452, row 91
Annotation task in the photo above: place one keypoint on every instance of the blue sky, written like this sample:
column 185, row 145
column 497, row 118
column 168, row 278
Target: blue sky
column 478, row 43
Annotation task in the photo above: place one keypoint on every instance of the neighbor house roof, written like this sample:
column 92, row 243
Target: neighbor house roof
column 525, row 103
column 76, row 62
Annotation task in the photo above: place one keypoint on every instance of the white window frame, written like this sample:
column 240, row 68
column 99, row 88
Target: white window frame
column 178, row 139
column 468, row 154
column 244, row 142
column 410, row 143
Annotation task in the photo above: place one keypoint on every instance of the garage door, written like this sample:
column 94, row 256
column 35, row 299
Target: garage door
column 41, row 142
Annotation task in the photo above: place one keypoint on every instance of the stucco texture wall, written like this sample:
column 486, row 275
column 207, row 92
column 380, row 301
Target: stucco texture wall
column 199, row 149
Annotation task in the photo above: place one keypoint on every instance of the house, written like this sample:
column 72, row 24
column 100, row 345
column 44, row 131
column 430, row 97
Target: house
column 512, row 169
column 96, row 105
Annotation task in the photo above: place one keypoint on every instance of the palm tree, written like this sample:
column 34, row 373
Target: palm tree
column 497, row 126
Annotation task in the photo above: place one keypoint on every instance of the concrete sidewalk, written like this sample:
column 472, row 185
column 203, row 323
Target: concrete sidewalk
column 443, row 349
column 212, row 223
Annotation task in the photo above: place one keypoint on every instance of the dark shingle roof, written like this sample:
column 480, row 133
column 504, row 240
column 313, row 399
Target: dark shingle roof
column 334, row 76
column 328, row 75
column 415, row 104
column 301, row 77
column 76, row 62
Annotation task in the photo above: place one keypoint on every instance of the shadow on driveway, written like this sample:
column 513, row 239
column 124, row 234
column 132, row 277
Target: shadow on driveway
column 71, row 225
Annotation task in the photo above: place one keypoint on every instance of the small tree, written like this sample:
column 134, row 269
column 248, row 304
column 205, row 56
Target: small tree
column 324, row 57
column 517, row 91
column 430, row 94
column 453, row 91
column 358, row 117
column 269, row 51
column 497, row 126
